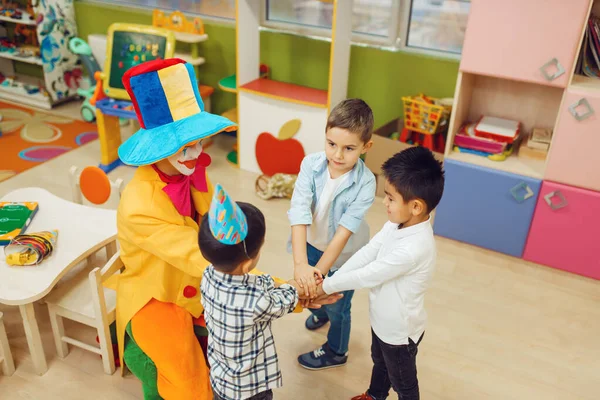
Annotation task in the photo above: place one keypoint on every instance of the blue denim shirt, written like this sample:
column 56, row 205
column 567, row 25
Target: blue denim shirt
column 348, row 208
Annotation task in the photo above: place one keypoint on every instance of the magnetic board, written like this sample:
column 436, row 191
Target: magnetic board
column 129, row 45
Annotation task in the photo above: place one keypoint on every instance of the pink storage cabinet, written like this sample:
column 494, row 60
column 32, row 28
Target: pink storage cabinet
column 573, row 157
column 565, row 232
column 533, row 40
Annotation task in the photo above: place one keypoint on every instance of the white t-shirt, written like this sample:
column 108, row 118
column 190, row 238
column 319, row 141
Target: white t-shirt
column 318, row 232
column 397, row 265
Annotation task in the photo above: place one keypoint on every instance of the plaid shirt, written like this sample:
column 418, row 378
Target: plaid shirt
column 241, row 351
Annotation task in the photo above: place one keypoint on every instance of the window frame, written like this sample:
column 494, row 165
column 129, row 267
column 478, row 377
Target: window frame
column 396, row 41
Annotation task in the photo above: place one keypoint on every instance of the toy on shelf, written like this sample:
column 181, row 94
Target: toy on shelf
column 537, row 144
column 426, row 121
column 176, row 21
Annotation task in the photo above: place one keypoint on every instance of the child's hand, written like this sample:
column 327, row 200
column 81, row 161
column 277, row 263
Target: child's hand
column 301, row 295
column 322, row 300
column 307, row 276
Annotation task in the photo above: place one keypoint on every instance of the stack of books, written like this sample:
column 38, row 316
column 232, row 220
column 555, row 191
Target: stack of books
column 588, row 63
column 490, row 137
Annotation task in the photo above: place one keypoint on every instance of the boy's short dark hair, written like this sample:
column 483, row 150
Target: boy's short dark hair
column 416, row 174
column 226, row 258
column 354, row 115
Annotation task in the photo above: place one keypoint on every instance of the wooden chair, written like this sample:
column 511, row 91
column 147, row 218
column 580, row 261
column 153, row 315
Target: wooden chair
column 6, row 359
column 91, row 186
column 85, row 300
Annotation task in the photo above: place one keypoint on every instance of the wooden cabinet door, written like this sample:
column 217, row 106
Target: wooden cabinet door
column 486, row 207
column 513, row 39
column 573, row 158
column 565, row 232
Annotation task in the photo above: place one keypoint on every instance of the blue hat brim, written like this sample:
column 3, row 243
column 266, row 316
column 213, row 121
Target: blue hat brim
column 148, row 146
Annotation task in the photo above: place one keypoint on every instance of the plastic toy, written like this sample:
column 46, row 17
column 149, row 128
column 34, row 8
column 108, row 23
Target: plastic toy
column 84, row 51
column 176, row 21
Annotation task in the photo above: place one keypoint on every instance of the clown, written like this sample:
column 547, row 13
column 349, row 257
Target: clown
column 159, row 313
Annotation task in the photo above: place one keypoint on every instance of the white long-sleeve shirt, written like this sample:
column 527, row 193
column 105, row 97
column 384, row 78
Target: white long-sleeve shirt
column 396, row 265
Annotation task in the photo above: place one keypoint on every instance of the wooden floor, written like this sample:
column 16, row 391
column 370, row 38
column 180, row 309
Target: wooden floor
column 499, row 327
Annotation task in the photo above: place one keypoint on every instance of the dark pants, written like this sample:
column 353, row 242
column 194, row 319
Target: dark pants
column 268, row 395
column 337, row 313
column 396, row 367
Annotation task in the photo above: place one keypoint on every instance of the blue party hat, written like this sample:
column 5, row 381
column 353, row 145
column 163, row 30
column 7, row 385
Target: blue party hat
column 227, row 221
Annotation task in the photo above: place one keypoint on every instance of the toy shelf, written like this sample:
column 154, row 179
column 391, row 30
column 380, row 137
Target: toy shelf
column 535, row 106
column 16, row 90
column 195, row 61
column 190, row 37
column 287, row 92
column 29, row 59
column 229, row 84
column 24, row 20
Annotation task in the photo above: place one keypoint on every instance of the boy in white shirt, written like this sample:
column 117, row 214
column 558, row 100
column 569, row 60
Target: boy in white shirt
column 397, row 265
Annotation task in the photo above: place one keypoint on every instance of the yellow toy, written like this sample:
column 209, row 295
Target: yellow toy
column 176, row 21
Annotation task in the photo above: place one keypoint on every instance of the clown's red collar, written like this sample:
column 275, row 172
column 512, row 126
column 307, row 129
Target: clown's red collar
column 178, row 186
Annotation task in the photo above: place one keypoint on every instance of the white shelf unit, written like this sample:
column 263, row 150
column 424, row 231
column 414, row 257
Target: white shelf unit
column 59, row 80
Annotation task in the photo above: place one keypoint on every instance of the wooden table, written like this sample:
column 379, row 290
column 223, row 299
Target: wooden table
column 82, row 231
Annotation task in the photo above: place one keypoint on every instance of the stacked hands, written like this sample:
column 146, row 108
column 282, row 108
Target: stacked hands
column 308, row 282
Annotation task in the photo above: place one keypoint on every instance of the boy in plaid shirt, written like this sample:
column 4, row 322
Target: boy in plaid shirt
column 239, row 307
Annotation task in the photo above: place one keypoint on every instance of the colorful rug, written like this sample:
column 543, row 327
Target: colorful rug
column 30, row 137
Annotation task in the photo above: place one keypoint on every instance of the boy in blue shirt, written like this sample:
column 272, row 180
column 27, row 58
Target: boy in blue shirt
column 331, row 196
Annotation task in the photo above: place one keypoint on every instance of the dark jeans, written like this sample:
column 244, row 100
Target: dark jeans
column 337, row 313
column 268, row 395
column 394, row 366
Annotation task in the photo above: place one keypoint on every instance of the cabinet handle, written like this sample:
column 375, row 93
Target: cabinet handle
column 521, row 197
column 559, row 69
column 581, row 102
column 555, row 206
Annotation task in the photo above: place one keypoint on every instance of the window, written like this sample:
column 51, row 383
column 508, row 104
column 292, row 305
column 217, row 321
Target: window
column 371, row 17
column 432, row 26
column 214, row 8
column 438, row 24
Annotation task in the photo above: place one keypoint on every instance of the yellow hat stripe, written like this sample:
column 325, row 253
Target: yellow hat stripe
column 176, row 83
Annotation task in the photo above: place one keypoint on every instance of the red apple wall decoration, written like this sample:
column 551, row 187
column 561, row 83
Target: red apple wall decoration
column 282, row 154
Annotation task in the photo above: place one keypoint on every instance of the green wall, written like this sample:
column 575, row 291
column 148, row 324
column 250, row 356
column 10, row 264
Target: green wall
column 380, row 77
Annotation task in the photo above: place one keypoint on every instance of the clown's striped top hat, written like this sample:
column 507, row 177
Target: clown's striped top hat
column 170, row 111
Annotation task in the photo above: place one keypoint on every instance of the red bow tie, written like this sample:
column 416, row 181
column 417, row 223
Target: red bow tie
column 178, row 186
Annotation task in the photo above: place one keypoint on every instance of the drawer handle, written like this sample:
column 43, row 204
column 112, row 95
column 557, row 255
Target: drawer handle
column 555, row 206
column 583, row 103
column 552, row 63
column 517, row 192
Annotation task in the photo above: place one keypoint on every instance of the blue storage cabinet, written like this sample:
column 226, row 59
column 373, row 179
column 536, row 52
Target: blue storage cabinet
column 486, row 207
